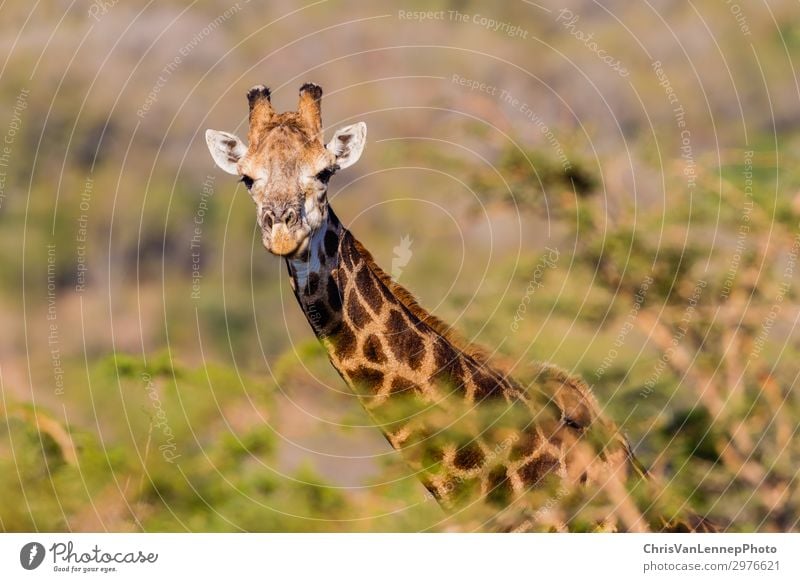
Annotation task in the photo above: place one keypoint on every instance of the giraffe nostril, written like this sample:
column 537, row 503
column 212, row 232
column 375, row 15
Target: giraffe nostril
column 290, row 217
column 267, row 219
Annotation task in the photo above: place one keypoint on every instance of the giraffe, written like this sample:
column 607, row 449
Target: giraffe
column 474, row 436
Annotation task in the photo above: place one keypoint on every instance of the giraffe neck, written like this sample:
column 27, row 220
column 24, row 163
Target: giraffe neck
column 313, row 277
column 413, row 381
column 467, row 432
column 366, row 327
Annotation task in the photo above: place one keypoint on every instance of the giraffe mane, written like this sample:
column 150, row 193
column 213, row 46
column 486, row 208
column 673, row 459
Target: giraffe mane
column 477, row 352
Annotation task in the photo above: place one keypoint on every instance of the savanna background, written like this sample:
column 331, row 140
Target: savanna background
column 617, row 193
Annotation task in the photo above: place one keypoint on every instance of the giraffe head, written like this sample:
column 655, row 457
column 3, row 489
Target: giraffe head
column 286, row 166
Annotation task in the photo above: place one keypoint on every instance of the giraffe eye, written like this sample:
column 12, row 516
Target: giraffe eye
column 247, row 181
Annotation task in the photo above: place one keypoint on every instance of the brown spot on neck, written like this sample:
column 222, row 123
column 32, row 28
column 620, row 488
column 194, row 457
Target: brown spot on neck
column 404, row 341
column 373, row 350
column 368, row 290
column 356, row 312
column 366, row 380
column 468, row 457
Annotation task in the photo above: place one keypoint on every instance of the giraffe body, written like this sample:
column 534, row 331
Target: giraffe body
column 473, row 435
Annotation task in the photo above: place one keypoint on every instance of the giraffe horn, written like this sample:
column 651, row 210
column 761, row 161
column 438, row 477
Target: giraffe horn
column 261, row 111
column 310, row 108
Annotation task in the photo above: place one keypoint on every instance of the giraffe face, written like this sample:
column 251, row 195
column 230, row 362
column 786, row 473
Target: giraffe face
column 286, row 167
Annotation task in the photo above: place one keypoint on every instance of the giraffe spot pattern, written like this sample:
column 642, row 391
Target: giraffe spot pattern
column 468, row 457
column 534, row 472
column 331, row 243
column 405, row 344
column 334, row 295
column 373, row 350
column 348, row 253
column 486, row 386
column 366, row 378
column 500, row 490
column 344, row 342
column 356, row 312
column 402, row 385
column 448, row 369
column 369, row 289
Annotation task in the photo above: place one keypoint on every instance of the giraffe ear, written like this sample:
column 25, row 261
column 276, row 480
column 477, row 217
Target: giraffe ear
column 348, row 143
column 226, row 149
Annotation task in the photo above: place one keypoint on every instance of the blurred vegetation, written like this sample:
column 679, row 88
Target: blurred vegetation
column 151, row 400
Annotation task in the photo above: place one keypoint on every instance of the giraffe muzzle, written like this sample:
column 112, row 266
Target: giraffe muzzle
column 282, row 231
column 280, row 240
